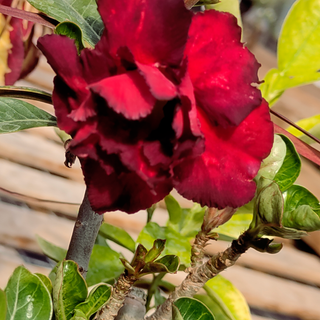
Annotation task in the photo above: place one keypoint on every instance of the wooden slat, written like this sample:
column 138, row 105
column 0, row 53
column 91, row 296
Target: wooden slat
column 288, row 263
column 38, row 152
column 39, row 184
column 275, row 294
column 19, row 227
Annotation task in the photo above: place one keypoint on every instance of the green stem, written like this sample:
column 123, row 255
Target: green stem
column 152, row 289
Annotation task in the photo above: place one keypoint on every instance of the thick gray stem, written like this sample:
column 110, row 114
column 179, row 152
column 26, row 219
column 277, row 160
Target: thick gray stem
column 84, row 235
column 119, row 292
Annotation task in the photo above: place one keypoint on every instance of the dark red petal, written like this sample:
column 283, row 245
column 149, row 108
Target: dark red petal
column 97, row 64
column 221, row 69
column 62, row 55
column 16, row 53
column 126, row 192
column 223, row 175
column 154, row 31
column 127, row 94
column 160, row 87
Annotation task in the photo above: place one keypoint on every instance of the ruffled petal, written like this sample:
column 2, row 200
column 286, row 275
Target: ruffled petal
column 98, row 64
column 221, row 69
column 160, row 87
column 127, row 191
column 62, row 55
column 222, row 175
column 153, row 31
column 127, row 94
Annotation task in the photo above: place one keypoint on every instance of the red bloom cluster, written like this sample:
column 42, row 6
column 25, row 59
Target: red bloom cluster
column 164, row 100
column 23, row 54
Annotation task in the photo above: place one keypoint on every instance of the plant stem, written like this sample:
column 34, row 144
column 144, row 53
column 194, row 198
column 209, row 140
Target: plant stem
column 153, row 287
column 118, row 295
column 190, row 3
column 198, row 276
column 84, row 235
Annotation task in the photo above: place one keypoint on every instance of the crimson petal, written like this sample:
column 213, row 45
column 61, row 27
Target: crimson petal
column 127, row 94
column 222, row 175
column 151, row 31
column 221, row 69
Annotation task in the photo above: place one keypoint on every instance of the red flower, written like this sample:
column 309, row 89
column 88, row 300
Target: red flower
column 23, row 55
column 165, row 99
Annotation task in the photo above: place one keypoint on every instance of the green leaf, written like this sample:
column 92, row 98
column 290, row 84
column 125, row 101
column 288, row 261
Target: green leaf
column 301, row 209
column 104, row 265
column 25, row 93
column 174, row 210
column 71, row 30
column 311, row 124
column 46, row 281
column 298, row 47
column 191, row 309
column 79, row 315
column 51, row 250
column 232, row 229
column 16, row 115
column 226, row 301
column 189, row 222
column 96, row 299
column 167, row 264
column 272, row 164
column 176, row 243
column 290, row 168
column 27, row 297
column 155, row 251
column 158, row 298
column 267, row 216
column 3, row 305
column 82, row 12
column 117, row 235
column 69, row 289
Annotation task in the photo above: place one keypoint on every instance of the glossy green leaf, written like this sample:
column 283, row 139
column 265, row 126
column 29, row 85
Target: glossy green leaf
column 301, row 209
column 267, row 215
column 176, row 243
column 96, row 299
column 104, row 265
column 27, row 297
column 25, row 93
column 191, row 309
column 16, row 115
column 290, row 168
column 69, row 289
column 71, row 30
column 271, row 165
column 226, row 300
column 167, row 264
column 298, row 47
column 79, row 315
column 3, row 305
column 234, row 227
column 117, row 235
column 189, row 222
column 150, row 212
column 155, row 251
column 51, row 250
column 231, row 6
column 82, row 12
column 46, row 281
column 174, row 209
